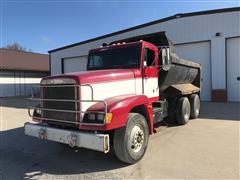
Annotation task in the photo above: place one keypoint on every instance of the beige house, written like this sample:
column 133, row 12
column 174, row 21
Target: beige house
column 19, row 71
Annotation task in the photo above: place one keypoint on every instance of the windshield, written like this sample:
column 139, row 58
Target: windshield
column 127, row 57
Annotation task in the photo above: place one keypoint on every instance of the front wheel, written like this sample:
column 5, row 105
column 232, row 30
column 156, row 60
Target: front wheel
column 130, row 142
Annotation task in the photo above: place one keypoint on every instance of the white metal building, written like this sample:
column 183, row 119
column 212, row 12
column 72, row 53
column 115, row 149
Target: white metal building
column 211, row 38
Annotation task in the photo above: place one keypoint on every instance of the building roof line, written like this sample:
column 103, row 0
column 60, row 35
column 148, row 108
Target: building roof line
column 176, row 16
column 28, row 52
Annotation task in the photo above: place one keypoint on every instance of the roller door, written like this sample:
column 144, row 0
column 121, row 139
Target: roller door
column 74, row 64
column 233, row 69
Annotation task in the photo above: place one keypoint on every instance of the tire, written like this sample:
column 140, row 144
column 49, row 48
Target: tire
column 183, row 111
column 125, row 148
column 194, row 106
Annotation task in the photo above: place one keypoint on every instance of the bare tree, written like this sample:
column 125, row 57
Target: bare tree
column 17, row 47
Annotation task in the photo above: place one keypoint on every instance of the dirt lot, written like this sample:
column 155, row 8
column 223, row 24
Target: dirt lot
column 206, row 148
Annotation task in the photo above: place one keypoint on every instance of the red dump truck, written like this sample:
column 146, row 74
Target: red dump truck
column 130, row 86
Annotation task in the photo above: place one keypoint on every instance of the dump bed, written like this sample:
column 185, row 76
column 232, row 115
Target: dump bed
column 181, row 72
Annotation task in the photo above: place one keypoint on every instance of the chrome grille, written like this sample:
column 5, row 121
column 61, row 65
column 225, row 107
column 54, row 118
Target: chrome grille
column 66, row 110
column 59, row 105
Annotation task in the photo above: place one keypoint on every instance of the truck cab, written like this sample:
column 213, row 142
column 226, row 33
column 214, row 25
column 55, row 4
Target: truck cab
column 138, row 58
column 129, row 86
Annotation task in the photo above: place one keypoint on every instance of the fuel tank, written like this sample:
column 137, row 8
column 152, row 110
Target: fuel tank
column 180, row 72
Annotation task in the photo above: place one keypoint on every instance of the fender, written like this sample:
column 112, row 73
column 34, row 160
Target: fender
column 120, row 106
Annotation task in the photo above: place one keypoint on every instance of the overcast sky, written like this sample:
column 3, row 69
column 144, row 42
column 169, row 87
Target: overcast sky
column 45, row 25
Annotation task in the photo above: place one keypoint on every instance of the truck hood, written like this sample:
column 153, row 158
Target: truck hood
column 90, row 77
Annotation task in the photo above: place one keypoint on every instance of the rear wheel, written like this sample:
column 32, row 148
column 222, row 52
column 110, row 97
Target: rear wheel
column 183, row 111
column 194, row 106
column 130, row 142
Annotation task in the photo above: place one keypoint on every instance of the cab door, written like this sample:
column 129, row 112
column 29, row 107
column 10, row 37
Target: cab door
column 150, row 73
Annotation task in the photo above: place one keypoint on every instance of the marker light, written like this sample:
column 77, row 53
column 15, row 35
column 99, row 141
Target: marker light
column 108, row 118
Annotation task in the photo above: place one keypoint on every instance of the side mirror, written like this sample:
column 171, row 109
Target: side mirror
column 166, row 59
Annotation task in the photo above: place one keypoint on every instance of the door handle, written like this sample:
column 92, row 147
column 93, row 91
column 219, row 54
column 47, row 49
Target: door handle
column 238, row 78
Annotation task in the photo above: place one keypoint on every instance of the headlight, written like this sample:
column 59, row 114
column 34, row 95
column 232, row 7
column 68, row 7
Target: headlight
column 98, row 118
column 91, row 116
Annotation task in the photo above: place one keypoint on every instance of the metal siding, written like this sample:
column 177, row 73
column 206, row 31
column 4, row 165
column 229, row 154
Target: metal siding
column 218, row 63
column 199, row 52
column 18, row 83
column 7, row 84
column 233, row 69
column 17, row 86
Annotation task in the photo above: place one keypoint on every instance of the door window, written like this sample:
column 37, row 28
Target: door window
column 149, row 57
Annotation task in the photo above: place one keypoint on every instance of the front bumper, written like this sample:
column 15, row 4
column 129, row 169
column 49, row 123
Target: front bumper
column 94, row 141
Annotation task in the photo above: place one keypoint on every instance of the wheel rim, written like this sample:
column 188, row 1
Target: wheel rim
column 186, row 112
column 197, row 106
column 136, row 139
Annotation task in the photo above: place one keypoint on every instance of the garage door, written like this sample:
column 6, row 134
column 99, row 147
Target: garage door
column 233, row 69
column 200, row 53
column 74, row 64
